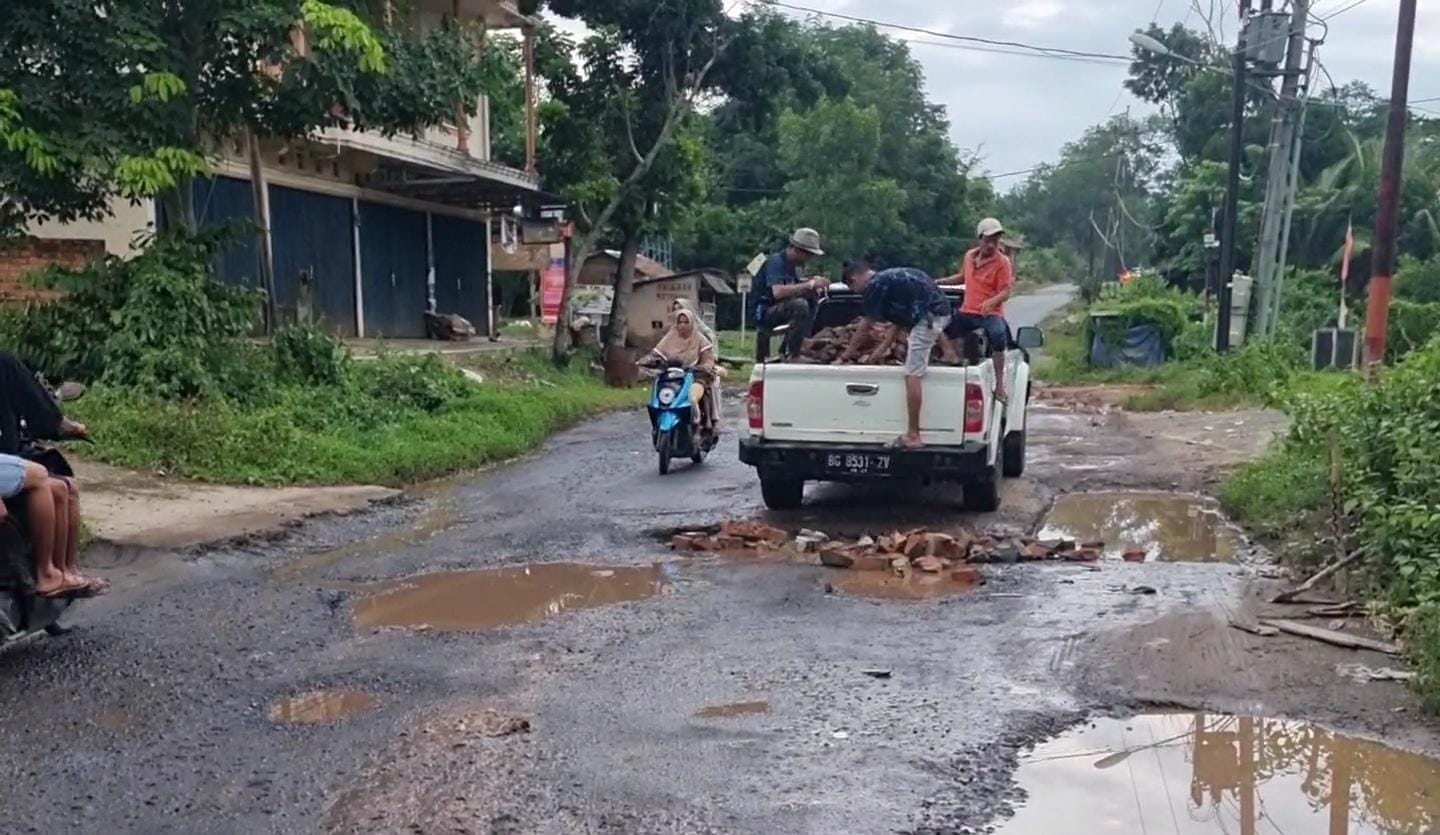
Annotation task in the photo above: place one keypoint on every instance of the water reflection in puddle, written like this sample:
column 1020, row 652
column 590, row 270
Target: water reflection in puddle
column 319, row 707
column 1169, row 527
column 464, row 601
column 1194, row 774
column 730, row 711
column 883, row 585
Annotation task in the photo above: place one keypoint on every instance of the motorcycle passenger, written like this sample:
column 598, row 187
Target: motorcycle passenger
column 56, row 542
column 686, row 345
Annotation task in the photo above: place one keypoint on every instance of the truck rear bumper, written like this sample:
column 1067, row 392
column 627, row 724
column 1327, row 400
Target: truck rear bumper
column 864, row 462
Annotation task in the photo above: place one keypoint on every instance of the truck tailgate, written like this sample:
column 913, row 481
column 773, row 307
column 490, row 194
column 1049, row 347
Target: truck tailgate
column 860, row 404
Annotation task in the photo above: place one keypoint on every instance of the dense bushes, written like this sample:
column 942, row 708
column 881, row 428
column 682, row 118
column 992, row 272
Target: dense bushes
column 1382, row 496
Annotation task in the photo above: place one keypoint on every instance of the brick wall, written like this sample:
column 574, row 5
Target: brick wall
column 27, row 255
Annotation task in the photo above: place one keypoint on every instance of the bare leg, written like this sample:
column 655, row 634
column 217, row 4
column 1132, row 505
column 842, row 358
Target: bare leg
column 72, row 553
column 61, row 499
column 913, row 392
column 41, row 520
column 1000, row 377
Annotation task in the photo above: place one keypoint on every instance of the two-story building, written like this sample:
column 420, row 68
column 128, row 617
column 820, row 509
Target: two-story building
column 367, row 232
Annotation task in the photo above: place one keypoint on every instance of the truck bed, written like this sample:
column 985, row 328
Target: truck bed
column 863, row 404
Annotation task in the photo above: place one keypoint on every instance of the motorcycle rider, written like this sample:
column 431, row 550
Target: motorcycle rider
column 685, row 344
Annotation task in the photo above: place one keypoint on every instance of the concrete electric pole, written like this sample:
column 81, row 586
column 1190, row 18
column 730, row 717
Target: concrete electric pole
column 1280, row 185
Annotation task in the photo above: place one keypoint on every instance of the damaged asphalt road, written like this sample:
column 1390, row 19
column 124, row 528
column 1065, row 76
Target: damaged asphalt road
column 642, row 712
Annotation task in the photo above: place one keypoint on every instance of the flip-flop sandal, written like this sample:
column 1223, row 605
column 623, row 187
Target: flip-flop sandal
column 88, row 591
column 64, row 593
column 97, row 586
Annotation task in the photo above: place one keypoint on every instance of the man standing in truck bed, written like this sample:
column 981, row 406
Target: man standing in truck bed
column 907, row 299
column 988, row 278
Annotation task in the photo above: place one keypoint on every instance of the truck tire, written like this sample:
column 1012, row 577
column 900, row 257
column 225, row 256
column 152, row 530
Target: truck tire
column 1012, row 453
column 982, row 493
column 782, row 493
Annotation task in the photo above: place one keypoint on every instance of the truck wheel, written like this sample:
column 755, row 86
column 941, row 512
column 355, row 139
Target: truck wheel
column 982, row 494
column 1012, row 451
column 782, row 493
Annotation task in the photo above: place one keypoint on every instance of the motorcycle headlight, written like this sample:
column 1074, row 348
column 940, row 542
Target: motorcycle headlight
column 667, row 396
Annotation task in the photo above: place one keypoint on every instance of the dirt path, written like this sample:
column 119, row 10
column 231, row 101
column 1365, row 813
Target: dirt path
column 261, row 689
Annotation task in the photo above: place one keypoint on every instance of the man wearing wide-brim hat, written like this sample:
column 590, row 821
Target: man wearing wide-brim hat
column 783, row 296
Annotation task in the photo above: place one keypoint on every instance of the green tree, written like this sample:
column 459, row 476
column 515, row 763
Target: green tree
column 137, row 106
column 612, row 139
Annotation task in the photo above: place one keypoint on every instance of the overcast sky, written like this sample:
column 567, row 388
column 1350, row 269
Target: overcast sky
column 1018, row 110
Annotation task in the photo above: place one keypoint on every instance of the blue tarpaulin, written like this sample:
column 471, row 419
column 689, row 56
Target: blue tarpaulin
column 1142, row 347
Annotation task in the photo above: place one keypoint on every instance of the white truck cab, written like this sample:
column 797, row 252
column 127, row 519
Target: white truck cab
column 838, row 422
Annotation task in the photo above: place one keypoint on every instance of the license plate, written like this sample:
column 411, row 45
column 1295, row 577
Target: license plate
column 848, row 463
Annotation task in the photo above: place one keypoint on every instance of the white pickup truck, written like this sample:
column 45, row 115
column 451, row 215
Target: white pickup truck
column 836, row 422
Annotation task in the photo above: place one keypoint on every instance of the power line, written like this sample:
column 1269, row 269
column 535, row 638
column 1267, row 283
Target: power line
column 1048, row 50
column 1104, row 62
column 1337, row 13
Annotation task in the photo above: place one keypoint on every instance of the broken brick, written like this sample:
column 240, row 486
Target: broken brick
column 754, row 531
column 729, row 543
column 1083, row 554
column 967, row 574
column 1035, row 551
column 836, row 556
column 900, row 565
column 930, row 565
column 681, row 542
column 1135, row 555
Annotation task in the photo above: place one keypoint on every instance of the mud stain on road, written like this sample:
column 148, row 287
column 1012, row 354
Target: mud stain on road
column 115, row 720
column 733, row 710
column 1168, row 527
column 878, row 585
column 441, row 516
column 1199, row 773
column 320, row 707
column 468, row 601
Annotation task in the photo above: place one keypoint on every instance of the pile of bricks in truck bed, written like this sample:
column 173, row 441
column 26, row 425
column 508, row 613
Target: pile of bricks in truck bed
column 916, row 550
column 827, row 345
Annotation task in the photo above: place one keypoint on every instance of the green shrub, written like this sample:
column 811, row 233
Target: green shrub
column 157, row 322
column 307, row 354
column 1422, row 649
column 1411, row 326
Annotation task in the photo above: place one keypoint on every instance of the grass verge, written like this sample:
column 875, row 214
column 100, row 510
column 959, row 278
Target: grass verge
column 393, row 421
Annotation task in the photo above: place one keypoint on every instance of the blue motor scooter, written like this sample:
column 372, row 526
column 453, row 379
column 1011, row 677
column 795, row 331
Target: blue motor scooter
column 671, row 421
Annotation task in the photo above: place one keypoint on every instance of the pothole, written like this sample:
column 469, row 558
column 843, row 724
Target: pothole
column 733, row 710
column 468, row 601
column 319, row 707
column 880, row 585
column 1167, row 527
column 1200, row 773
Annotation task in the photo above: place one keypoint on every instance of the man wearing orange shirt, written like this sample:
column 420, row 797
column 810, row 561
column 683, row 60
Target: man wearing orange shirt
column 988, row 278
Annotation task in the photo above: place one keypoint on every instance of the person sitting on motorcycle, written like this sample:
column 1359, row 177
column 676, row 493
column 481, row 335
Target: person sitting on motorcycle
column 45, row 501
column 686, row 345
column 22, row 398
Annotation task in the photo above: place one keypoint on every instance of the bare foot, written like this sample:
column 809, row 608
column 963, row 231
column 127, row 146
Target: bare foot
column 1002, row 396
column 53, row 584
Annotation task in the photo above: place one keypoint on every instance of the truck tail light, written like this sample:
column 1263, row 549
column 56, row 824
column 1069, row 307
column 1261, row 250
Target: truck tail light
column 755, row 405
column 974, row 409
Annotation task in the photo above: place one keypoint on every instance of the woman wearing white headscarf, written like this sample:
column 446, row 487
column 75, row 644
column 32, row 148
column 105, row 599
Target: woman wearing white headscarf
column 686, row 344
column 689, row 307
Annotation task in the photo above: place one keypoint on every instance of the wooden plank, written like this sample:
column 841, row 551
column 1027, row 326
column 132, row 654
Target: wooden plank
column 1330, row 636
column 1254, row 628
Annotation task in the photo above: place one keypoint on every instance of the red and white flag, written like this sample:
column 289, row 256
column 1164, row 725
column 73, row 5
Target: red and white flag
column 1349, row 250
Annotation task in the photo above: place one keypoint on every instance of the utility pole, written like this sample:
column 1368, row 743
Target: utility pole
column 1283, row 142
column 1377, row 314
column 1232, row 188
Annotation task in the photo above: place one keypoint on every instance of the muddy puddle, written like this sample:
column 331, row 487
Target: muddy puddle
column 1199, row 773
column 733, row 710
column 1168, row 527
column 319, row 707
column 883, row 585
column 468, row 601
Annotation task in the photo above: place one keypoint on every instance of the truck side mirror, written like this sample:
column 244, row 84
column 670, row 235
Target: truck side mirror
column 1030, row 337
